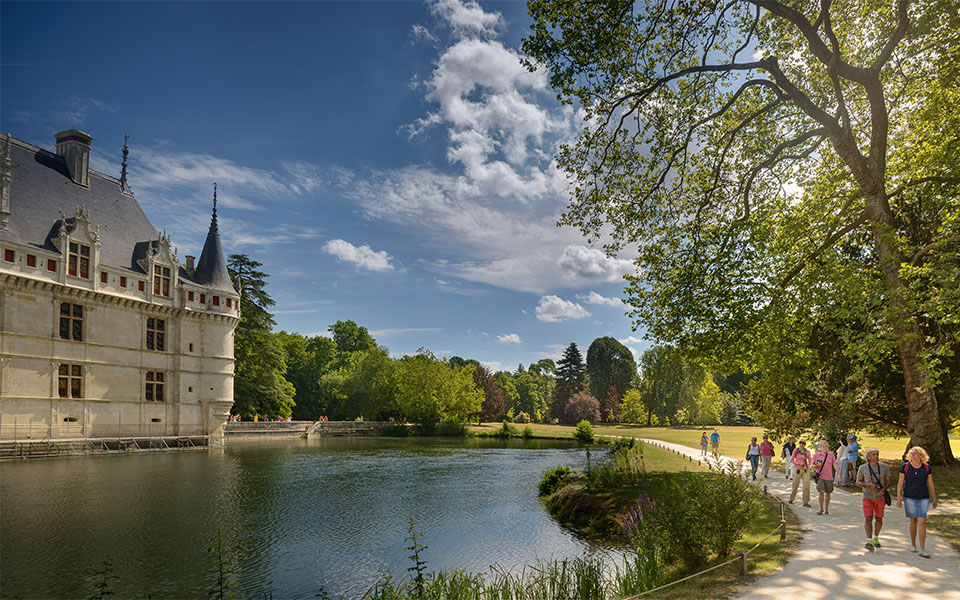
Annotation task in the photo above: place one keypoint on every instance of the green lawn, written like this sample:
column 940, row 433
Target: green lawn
column 596, row 513
column 733, row 440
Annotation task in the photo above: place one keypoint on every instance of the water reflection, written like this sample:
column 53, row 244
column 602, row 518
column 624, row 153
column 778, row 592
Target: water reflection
column 299, row 515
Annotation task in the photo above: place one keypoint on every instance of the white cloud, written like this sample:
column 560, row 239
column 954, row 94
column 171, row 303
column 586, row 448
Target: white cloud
column 493, row 365
column 362, row 256
column 595, row 298
column 583, row 263
column 419, row 33
column 509, row 338
column 632, row 340
column 553, row 309
column 466, row 17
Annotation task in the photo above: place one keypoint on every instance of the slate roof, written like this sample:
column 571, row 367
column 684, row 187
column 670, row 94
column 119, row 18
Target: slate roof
column 41, row 190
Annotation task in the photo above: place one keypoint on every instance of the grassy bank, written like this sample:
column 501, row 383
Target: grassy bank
column 597, row 512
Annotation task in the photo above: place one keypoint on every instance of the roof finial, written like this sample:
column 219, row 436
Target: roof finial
column 123, row 165
column 214, row 199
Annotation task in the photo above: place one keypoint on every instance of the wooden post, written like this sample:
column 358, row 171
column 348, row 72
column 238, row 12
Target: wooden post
column 783, row 530
column 743, row 564
column 764, row 490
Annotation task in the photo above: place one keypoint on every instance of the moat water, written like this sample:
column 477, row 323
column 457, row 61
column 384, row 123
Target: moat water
column 297, row 516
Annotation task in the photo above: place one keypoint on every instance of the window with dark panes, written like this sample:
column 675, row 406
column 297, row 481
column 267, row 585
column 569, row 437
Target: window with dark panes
column 8, row 255
column 103, row 276
column 78, row 260
column 216, row 300
column 70, row 381
column 51, row 264
column 155, row 334
column 140, row 285
column 71, row 322
column 190, row 296
column 161, row 280
column 31, row 260
column 154, row 386
column 203, row 298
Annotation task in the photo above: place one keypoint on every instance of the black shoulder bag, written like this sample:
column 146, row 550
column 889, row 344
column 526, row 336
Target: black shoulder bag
column 886, row 493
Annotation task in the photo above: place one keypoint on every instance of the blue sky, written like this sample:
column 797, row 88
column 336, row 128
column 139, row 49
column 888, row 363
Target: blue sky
column 387, row 162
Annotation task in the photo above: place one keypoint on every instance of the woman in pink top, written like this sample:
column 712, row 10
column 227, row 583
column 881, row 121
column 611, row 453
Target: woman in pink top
column 823, row 464
column 766, row 453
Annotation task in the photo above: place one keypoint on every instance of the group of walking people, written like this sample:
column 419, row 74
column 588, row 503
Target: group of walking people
column 915, row 489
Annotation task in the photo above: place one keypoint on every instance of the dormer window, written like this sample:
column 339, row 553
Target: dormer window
column 161, row 280
column 78, row 261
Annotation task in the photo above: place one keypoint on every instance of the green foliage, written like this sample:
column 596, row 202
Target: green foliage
column 364, row 385
column 430, row 390
column 609, row 365
column 419, row 564
column 350, row 337
column 623, row 466
column 584, row 431
column 259, row 359
column 527, row 432
column 104, row 578
column 521, row 417
column 553, row 479
column 784, row 180
column 632, row 407
column 307, row 360
column 223, row 588
column 570, row 375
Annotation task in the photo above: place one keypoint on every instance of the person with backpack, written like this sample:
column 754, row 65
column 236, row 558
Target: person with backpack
column 915, row 492
column 874, row 477
column 801, row 468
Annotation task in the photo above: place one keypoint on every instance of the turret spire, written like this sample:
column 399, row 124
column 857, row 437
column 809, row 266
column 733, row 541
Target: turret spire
column 211, row 269
column 124, row 186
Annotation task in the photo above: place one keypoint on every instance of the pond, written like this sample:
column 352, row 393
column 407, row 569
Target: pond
column 297, row 515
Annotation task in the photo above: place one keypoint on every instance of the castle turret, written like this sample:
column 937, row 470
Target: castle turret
column 211, row 269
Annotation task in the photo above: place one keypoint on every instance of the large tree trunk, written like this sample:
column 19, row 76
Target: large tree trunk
column 923, row 421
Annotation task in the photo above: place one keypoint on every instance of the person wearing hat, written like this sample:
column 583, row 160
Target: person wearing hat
column 801, row 468
column 853, row 451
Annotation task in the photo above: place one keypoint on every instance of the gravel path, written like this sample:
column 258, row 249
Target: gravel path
column 831, row 561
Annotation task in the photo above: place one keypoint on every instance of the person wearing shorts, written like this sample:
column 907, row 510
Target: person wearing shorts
column 874, row 478
column 915, row 492
column 715, row 440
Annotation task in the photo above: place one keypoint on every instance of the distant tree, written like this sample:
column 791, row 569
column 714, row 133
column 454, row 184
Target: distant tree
column 307, row 360
column 609, row 364
column 544, row 370
column 662, row 378
column 259, row 387
column 632, row 407
column 351, row 337
column 460, row 362
column 430, row 390
column 511, row 395
column 364, row 385
column 530, row 398
column 582, row 406
column 610, row 408
column 494, row 406
column 569, row 380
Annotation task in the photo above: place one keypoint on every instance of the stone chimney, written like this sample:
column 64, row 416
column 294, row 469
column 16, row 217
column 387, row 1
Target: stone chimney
column 74, row 146
column 189, row 264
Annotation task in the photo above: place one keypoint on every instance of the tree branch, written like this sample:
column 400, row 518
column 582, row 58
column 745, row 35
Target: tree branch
column 774, row 158
column 920, row 180
column 830, row 241
column 930, row 247
column 903, row 20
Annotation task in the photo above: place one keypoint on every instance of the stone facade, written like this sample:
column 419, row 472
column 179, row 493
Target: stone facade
column 103, row 333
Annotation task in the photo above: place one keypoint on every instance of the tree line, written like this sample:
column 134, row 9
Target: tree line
column 347, row 375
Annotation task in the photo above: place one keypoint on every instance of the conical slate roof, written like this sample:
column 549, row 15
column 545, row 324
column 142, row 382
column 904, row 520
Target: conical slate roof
column 211, row 269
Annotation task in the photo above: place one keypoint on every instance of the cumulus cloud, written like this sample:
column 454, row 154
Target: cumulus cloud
column 583, row 263
column 631, row 340
column 553, row 309
column 509, row 338
column 595, row 298
column 466, row 17
column 362, row 256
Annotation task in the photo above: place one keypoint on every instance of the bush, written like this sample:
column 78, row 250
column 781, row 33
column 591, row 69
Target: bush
column 553, row 479
column 584, row 432
column 527, row 432
column 507, row 430
column 582, row 406
column 522, row 417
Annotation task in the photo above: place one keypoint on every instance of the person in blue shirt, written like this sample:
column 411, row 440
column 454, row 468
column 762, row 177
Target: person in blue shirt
column 715, row 440
column 853, row 449
column 916, row 493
